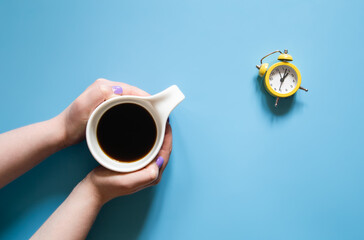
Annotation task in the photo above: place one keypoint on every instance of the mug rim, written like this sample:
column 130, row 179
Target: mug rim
column 95, row 148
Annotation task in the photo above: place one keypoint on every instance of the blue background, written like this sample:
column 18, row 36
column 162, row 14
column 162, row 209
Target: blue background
column 240, row 169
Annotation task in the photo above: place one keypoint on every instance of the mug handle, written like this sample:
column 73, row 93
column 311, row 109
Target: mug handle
column 165, row 101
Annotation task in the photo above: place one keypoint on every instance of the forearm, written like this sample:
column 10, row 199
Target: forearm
column 23, row 148
column 74, row 218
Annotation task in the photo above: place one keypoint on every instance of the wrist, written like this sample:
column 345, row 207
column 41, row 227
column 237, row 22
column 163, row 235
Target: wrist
column 89, row 192
column 57, row 130
column 65, row 137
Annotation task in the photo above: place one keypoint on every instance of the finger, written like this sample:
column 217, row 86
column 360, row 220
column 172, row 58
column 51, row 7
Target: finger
column 126, row 89
column 134, row 91
column 166, row 148
column 139, row 179
column 164, row 153
column 102, row 90
column 95, row 94
column 167, row 143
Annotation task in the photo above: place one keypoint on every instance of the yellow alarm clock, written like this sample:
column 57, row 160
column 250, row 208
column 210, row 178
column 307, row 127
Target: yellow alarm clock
column 282, row 79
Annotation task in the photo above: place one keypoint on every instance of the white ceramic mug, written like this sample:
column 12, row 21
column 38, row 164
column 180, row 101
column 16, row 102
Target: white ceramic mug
column 159, row 106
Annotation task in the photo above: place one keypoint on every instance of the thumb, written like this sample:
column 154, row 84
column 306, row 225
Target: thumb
column 95, row 94
column 141, row 178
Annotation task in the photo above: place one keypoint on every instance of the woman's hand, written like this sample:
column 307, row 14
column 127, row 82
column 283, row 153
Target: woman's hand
column 23, row 148
column 74, row 218
column 106, row 184
column 74, row 117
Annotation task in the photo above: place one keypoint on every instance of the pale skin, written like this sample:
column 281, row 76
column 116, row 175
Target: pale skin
column 22, row 149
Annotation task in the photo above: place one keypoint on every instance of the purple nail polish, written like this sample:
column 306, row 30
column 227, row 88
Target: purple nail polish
column 117, row 89
column 159, row 161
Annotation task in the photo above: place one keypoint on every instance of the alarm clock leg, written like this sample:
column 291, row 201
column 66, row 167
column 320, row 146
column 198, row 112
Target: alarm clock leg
column 304, row 89
column 276, row 104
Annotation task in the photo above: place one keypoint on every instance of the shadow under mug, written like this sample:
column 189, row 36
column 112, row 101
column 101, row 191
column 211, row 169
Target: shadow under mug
column 159, row 107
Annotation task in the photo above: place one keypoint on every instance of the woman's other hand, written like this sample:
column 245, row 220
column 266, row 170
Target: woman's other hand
column 105, row 184
column 74, row 118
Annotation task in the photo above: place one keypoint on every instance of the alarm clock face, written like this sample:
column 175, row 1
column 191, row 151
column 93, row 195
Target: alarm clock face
column 283, row 79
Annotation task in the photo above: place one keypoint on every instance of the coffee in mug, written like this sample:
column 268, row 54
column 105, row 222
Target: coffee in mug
column 126, row 132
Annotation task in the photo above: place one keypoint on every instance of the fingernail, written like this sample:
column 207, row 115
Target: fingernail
column 168, row 119
column 117, row 89
column 159, row 161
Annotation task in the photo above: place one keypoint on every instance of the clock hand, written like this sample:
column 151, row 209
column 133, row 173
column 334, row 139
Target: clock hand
column 282, row 79
column 284, row 75
column 280, row 86
column 279, row 73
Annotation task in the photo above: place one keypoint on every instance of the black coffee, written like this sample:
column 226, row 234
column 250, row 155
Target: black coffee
column 126, row 132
